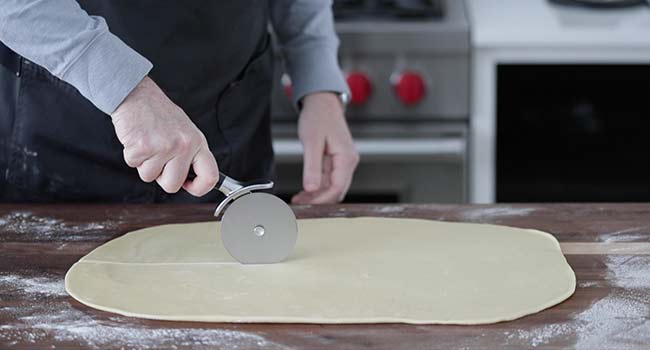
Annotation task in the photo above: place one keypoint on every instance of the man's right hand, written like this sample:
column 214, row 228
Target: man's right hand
column 161, row 141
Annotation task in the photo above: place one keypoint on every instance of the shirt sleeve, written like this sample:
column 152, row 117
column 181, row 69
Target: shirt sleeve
column 305, row 31
column 75, row 47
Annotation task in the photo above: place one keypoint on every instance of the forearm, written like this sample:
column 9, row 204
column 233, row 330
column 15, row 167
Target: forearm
column 74, row 47
column 305, row 29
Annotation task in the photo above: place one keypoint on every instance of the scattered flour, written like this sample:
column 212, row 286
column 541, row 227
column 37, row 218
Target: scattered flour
column 491, row 213
column 32, row 286
column 340, row 212
column 588, row 284
column 620, row 320
column 610, row 320
column 388, row 209
column 65, row 324
column 541, row 335
column 631, row 234
column 629, row 272
column 37, row 228
column 40, row 317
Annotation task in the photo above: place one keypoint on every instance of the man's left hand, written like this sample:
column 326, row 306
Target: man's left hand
column 330, row 157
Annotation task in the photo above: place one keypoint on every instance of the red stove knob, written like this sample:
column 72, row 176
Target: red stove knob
column 360, row 88
column 286, row 85
column 409, row 87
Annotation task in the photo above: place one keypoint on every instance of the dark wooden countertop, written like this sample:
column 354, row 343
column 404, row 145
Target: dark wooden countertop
column 610, row 309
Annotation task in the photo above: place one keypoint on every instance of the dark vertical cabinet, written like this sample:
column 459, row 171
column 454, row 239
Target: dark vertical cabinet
column 573, row 133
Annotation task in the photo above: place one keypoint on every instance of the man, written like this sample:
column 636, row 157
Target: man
column 184, row 85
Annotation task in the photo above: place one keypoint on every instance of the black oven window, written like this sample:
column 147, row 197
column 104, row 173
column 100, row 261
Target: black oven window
column 573, row 133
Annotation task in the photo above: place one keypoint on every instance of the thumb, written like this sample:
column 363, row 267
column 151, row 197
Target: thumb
column 312, row 163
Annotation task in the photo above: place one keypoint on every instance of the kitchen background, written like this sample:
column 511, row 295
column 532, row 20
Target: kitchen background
column 489, row 101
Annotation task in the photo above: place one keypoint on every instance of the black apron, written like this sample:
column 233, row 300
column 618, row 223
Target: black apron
column 212, row 58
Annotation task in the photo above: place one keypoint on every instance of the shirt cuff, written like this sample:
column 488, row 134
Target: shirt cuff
column 315, row 69
column 107, row 71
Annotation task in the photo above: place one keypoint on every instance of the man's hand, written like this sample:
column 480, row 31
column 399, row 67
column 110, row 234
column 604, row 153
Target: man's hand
column 161, row 141
column 329, row 154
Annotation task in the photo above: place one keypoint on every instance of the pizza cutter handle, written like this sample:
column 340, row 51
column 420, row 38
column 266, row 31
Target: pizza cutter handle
column 233, row 189
column 227, row 185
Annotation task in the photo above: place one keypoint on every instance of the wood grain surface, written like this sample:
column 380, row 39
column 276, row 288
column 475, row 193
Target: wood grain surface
column 607, row 245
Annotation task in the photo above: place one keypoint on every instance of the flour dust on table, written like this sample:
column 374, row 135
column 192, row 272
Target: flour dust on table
column 359, row 270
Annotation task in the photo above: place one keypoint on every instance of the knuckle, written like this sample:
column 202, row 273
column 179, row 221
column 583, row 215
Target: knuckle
column 147, row 177
column 143, row 146
column 169, row 187
column 203, row 141
column 184, row 141
column 130, row 160
column 213, row 176
column 166, row 147
column 198, row 191
column 131, row 163
column 202, row 191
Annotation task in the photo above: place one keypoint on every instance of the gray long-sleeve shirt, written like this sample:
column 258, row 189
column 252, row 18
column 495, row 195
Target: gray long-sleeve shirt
column 81, row 50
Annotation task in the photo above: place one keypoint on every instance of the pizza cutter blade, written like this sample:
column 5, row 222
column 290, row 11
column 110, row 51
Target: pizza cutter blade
column 256, row 227
column 259, row 228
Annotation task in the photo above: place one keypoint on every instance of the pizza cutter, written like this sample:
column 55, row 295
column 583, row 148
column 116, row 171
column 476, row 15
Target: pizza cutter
column 256, row 227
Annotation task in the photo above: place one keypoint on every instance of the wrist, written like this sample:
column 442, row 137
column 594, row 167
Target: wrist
column 324, row 98
column 134, row 95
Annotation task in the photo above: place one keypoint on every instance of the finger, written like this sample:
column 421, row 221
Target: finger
column 174, row 174
column 339, row 177
column 312, row 167
column 151, row 168
column 351, row 166
column 134, row 157
column 207, row 174
column 305, row 197
column 302, row 198
column 326, row 174
column 351, row 162
column 328, row 196
column 345, row 191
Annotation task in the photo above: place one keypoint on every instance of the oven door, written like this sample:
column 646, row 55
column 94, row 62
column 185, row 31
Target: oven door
column 572, row 133
column 399, row 163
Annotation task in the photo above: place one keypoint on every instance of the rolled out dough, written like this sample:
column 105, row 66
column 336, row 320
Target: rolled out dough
column 361, row 270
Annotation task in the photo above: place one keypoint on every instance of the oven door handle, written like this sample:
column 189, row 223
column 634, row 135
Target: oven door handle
column 290, row 150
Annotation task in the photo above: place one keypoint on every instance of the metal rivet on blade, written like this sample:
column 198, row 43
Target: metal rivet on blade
column 258, row 230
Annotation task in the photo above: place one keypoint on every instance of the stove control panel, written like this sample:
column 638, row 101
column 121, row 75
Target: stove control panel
column 397, row 68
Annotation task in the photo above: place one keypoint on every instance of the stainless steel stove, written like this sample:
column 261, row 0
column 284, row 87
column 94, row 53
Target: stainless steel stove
column 407, row 64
